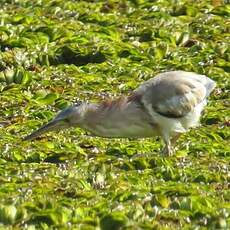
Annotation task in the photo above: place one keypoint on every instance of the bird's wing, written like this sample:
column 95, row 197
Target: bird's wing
column 172, row 96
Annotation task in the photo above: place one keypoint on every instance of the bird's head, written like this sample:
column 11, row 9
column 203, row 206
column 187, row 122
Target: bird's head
column 72, row 116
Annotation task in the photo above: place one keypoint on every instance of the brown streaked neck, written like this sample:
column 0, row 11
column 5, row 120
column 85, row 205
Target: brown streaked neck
column 105, row 110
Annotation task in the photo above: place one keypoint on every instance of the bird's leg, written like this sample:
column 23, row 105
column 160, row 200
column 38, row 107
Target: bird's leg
column 169, row 144
column 167, row 150
column 175, row 138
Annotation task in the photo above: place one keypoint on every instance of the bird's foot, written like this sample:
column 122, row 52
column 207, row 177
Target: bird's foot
column 167, row 151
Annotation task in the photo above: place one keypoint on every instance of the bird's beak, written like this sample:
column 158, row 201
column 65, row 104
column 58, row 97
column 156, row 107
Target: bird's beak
column 51, row 126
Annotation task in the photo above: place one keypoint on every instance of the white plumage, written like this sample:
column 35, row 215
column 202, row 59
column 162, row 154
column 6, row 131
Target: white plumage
column 166, row 105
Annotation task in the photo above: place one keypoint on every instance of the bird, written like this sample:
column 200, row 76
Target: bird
column 166, row 106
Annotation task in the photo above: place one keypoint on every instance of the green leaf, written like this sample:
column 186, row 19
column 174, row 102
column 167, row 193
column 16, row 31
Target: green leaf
column 48, row 99
column 115, row 220
column 8, row 214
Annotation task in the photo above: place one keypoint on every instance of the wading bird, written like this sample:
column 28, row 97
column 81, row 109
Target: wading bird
column 166, row 105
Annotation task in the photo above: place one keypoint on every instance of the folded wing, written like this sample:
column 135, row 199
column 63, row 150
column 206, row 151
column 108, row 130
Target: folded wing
column 175, row 94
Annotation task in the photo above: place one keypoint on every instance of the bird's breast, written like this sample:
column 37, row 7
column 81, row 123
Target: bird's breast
column 120, row 130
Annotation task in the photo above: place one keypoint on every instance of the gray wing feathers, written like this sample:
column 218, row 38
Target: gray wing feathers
column 174, row 94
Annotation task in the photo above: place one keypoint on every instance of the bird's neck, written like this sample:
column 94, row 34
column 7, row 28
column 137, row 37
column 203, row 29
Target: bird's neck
column 123, row 117
column 108, row 110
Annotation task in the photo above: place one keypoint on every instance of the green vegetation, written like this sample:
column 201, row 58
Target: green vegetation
column 55, row 52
